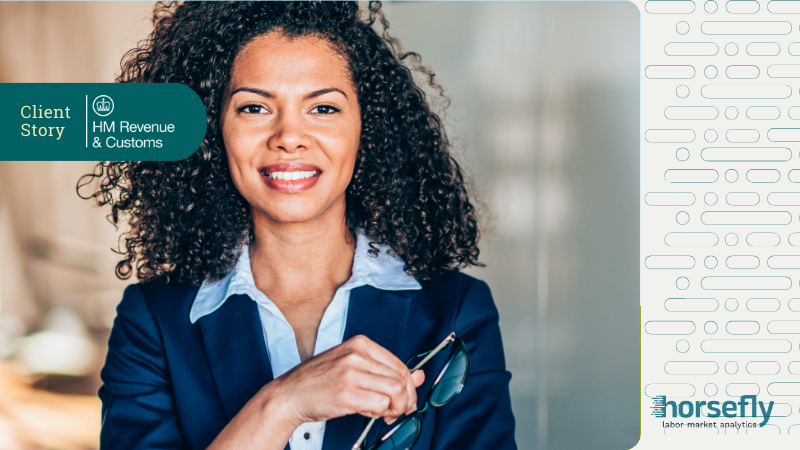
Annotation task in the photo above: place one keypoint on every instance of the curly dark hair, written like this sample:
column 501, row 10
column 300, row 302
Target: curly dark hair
column 188, row 221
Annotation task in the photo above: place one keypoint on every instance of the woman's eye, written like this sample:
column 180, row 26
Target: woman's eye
column 252, row 109
column 325, row 109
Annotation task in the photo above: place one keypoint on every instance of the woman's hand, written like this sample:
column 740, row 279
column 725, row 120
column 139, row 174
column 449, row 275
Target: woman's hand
column 356, row 377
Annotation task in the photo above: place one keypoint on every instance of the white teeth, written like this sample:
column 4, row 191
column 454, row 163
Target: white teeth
column 292, row 175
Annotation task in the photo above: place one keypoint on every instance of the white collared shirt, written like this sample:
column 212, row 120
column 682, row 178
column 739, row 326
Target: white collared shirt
column 382, row 272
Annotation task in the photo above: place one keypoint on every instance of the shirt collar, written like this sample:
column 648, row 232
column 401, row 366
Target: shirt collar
column 384, row 271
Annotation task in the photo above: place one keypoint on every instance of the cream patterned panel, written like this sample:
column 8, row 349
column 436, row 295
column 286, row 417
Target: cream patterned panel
column 720, row 241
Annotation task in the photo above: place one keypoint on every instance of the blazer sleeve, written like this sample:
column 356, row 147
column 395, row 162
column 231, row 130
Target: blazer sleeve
column 138, row 407
column 480, row 417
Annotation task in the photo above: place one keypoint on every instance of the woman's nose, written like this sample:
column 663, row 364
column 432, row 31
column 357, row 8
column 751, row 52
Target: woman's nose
column 289, row 134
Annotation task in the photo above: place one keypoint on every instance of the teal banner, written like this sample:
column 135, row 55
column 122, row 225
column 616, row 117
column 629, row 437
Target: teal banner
column 99, row 122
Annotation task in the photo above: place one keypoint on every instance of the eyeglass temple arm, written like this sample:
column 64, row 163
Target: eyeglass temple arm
column 450, row 338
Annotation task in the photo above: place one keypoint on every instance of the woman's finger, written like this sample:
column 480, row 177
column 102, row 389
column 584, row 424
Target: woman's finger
column 402, row 390
column 376, row 396
column 380, row 354
column 392, row 387
column 368, row 403
column 418, row 377
column 364, row 362
column 386, row 357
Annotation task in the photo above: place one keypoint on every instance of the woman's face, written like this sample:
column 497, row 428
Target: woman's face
column 291, row 126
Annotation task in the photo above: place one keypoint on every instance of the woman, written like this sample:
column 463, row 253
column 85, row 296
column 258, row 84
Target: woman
column 308, row 248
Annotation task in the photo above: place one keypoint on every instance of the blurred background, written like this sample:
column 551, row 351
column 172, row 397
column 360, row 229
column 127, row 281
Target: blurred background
column 545, row 119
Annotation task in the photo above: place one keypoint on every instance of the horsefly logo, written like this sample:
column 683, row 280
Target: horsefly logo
column 747, row 406
column 103, row 105
column 659, row 408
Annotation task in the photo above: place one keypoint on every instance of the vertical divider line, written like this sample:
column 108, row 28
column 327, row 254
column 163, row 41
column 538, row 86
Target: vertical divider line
column 86, row 127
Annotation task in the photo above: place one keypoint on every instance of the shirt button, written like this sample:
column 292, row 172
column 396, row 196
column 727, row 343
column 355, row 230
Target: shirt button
column 306, row 435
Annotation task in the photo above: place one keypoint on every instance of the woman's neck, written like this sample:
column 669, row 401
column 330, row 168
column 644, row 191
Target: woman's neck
column 293, row 260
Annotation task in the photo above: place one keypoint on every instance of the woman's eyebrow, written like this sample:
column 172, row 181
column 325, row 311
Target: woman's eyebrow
column 323, row 92
column 254, row 91
column 268, row 94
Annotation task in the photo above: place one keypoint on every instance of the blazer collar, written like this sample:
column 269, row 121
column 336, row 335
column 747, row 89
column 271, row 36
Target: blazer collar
column 237, row 353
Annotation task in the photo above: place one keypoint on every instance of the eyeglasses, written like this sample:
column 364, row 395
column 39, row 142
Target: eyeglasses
column 444, row 389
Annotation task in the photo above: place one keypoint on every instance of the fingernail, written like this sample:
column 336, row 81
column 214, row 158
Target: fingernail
column 389, row 422
column 411, row 409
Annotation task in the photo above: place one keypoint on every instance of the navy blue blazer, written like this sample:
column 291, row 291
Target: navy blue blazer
column 171, row 384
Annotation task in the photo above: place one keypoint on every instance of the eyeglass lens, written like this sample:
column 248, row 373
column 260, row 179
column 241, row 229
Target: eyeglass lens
column 452, row 380
column 403, row 438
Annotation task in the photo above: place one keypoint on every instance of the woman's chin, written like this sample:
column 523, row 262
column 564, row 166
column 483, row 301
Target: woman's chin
column 292, row 211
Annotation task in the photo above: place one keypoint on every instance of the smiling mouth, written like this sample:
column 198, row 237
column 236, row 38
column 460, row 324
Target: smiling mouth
column 291, row 176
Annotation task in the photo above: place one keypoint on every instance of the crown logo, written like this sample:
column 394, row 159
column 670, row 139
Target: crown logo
column 103, row 105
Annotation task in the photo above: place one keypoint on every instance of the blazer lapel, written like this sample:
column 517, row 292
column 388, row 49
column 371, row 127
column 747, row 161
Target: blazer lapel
column 381, row 316
column 236, row 350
